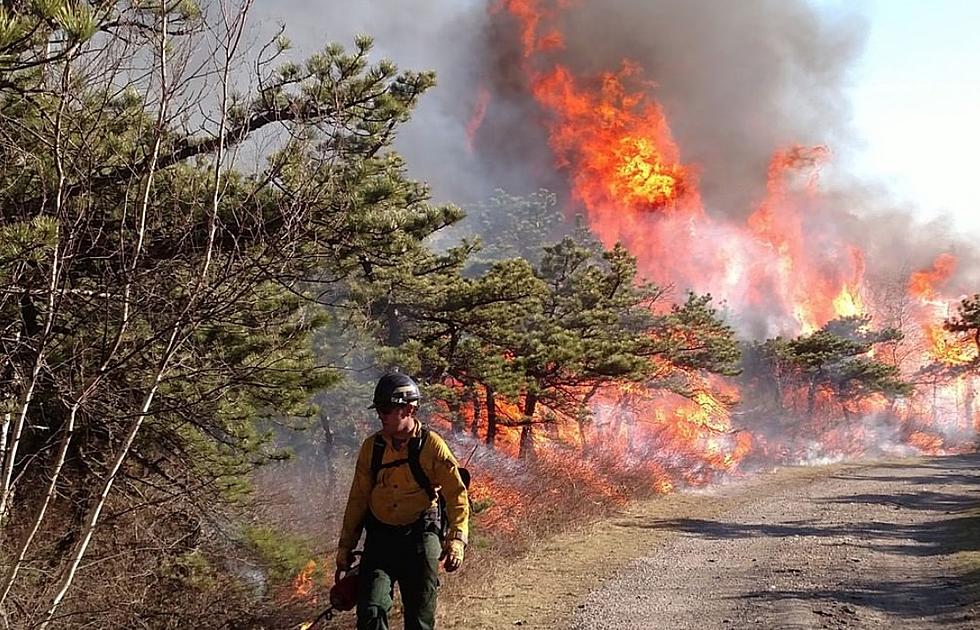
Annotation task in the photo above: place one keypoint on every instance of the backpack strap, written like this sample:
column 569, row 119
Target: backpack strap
column 377, row 455
column 414, row 464
column 414, row 455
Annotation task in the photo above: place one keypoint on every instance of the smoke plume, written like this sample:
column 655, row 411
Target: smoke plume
column 737, row 82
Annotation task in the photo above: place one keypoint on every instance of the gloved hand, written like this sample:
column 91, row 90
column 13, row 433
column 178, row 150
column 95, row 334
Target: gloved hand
column 452, row 551
column 344, row 559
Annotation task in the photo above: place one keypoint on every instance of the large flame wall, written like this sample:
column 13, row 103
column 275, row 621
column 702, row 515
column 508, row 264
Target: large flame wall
column 790, row 262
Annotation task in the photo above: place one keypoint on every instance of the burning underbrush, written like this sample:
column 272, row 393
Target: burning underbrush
column 633, row 446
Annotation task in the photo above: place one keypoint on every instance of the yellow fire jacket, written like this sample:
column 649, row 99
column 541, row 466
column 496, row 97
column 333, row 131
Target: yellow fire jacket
column 396, row 498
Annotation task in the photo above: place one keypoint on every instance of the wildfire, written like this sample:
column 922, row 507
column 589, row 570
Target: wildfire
column 614, row 141
column 922, row 284
column 302, row 585
column 848, row 304
column 623, row 164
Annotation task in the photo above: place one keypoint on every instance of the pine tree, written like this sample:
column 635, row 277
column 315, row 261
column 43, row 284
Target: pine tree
column 159, row 299
column 967, row 322
column 836, row 359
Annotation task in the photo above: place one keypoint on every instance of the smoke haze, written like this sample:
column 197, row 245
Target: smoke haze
column 737, row 82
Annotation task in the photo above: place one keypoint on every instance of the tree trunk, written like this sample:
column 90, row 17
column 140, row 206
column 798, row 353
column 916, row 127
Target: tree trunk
column 457, row 421
column 583, row 437
column 491, row 417
column 394, row 325
column 526, row 447
column 631, row 433
column 477, row 412
column 584, row 415
column 969, row 396
column 328, row 444
column 811, row 398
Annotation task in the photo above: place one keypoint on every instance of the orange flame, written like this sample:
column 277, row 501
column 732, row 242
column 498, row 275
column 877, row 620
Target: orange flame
column 302, row 585
column 531, row 15
column 813, row 291
column 948, row 348
column 848, row 304
column 476, row 118
column 615, row 142
column 944, row 346
column 922, row 284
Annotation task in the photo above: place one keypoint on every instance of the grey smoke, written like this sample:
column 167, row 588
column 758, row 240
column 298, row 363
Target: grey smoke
column 440, row 35
column 737, row 80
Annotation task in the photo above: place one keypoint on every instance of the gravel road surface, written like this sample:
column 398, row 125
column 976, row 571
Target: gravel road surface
column 868, row 546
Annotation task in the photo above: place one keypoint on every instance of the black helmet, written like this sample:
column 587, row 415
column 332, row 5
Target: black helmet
column 395, row 389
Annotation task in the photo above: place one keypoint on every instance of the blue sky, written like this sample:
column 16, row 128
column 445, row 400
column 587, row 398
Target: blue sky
column 916, row 101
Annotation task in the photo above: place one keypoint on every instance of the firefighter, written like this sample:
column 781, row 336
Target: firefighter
column 400, row 474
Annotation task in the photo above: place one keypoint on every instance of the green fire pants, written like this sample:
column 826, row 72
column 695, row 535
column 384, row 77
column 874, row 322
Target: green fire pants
column 408, row 556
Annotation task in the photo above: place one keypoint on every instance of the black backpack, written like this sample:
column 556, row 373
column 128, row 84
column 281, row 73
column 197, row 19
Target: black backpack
column 415, row 445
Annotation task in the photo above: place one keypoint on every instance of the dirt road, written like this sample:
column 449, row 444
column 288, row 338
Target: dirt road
column 870, row 545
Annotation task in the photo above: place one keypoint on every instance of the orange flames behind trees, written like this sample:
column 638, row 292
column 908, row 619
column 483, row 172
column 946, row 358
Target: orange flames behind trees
column 944, row 346
column 615, row 145
column 624, row 167
column 808, row 281
column 922, row 284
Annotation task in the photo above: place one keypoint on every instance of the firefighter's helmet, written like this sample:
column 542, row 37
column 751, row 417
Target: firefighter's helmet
column 395, row 389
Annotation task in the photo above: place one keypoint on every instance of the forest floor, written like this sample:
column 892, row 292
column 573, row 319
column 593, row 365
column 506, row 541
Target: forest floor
column 885, row 544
